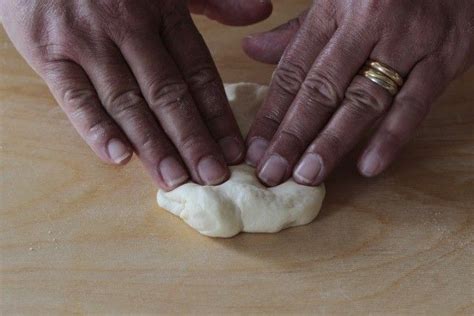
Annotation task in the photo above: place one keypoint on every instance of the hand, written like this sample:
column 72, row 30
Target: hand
column 318, row 107
column 136, row 75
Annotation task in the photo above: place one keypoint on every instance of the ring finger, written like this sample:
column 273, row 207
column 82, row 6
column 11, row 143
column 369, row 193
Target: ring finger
column 364, row 103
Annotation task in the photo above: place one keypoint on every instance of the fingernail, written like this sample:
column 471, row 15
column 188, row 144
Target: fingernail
column 257, row 148
column 211, row 171
column 172, row 172
column 308, row 169
column 371, row 163
column 274, row 169
column 118, row 152
column 231, row 148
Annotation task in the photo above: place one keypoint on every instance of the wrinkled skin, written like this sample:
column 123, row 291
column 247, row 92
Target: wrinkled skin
column 136, row 76
column 319, row 108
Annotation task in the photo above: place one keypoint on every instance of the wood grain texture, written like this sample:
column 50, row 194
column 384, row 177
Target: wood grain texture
column 78, row 236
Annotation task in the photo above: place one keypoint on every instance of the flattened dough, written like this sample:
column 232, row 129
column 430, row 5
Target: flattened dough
column 243, row 204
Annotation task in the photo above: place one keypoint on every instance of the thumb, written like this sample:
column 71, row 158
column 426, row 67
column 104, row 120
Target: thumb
column 233, row 12
column 268, row 47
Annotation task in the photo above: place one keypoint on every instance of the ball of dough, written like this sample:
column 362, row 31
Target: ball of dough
column 243, row 204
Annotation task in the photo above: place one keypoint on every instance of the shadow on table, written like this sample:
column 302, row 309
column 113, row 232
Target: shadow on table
column 432, row 178
column 332, row 234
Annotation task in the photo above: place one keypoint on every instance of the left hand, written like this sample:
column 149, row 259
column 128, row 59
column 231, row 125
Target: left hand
column 318, row 107
column 137, row 76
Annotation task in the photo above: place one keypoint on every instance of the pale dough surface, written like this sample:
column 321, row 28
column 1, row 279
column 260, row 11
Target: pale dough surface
column 243, row 204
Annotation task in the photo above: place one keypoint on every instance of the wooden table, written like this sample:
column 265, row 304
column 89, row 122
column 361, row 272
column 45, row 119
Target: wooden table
column 81, row 237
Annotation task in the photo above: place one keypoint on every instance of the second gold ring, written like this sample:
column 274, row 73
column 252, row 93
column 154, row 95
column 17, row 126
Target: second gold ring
column 380, row 79
column 383, row 76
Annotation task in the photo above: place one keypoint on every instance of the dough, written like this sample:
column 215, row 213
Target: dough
column 243, row 204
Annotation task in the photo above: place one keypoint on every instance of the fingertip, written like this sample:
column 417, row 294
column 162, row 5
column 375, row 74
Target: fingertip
column 265, row 47
column 252, row 11
column 370, row 164
column 212, row 171
column 309, row 170
column 268, row 47
column 273, row 171
column 172, row 172
column 234, row 13
column 256, row 150
column 233, row 149
column 118, row 151
column 266, row 9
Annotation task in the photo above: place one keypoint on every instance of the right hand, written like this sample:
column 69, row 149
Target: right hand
column 319, row 106
column 136, row 75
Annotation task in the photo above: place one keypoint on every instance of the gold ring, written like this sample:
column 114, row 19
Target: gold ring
column 386, row 70
column 380, row 79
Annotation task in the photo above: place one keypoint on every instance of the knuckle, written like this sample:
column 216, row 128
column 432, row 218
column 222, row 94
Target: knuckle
column 164, row 93
column 124, row 17
column 289, row 77
column 118, row 10
column 328, row 145
column 362, row 102
column 50, row 53
column 81, row 109
column 374, row 7
column 148, row 142
column 207, row 89
column 75, row 99
column 120, row 103
column 153, row 146
column 332, row 140
column 98, row 130
column 294, row 137
column 175, row 19
column 268, row 122
column 202, row 77
column 51, row 38
column 322, row 90
column 215, row 116
column 193, row 143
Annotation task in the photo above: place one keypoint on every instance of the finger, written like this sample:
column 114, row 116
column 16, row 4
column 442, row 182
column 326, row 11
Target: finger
column 424, row 84
column 268, row 47
column 289, row 75
column 233, row 12
column 77, row 97
column 168, row 97
column 120, row 95
column 205, row 84
column 319, row 97
column 364, row 103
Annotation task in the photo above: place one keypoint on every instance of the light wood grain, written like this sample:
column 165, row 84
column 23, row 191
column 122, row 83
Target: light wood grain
column 398, row 244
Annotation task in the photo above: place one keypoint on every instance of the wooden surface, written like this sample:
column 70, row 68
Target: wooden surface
column 81, row 237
